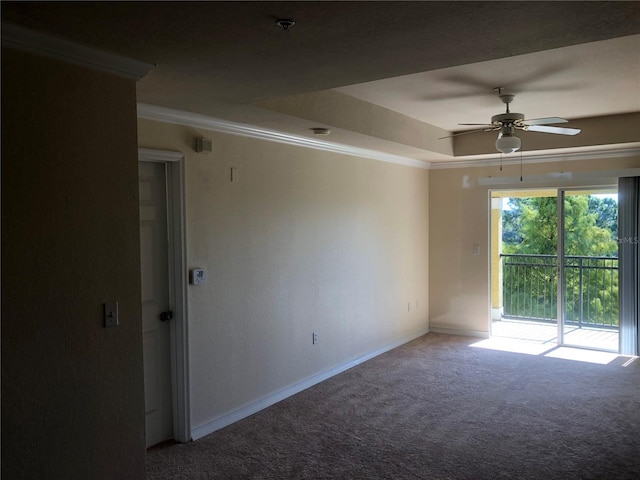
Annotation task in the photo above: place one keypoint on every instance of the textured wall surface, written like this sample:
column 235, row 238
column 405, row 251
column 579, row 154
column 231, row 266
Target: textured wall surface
column 72, row 391
column 303, row 241
column 459, row 218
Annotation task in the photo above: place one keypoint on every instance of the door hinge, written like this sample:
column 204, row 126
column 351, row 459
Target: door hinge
column 168, row 315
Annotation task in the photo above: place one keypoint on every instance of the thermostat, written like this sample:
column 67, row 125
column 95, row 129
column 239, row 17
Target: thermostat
column 196, row 276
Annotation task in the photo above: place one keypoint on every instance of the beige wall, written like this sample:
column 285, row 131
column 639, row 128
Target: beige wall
column 72, row 391
column 459, row 218
column 304, row 241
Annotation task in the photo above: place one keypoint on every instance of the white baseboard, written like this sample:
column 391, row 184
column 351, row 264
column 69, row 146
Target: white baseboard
column 460, row 331
column 254, row 407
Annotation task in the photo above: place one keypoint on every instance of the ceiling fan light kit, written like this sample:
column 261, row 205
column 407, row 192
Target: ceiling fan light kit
column 508, row 143
column 507, row 122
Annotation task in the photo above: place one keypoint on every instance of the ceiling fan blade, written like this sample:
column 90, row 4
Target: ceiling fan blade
column 556, row 130
column 469, row 131
column 544, row 121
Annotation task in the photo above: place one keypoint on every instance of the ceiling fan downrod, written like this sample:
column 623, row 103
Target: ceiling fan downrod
column 507, row 99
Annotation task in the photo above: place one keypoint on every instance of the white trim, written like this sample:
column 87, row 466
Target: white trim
column 558, row 179
column 174, row 162
column 179, row 117
column 68, row 51
column 489, row 260
column 541, row 158
column 150, row 155
column 254, row 407
column 560, row 266
column 460, row 331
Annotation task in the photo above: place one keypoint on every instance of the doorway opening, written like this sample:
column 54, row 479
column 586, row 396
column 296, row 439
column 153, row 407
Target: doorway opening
column 163, row 280
column 554, row 267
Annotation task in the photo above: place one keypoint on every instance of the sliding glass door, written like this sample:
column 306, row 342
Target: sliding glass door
column 588, row 278
column 554, row 263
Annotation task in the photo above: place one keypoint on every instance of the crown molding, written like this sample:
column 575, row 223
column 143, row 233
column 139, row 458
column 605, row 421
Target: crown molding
column 180, row 117
column 169, row 115
column 613, row 152
column 61, row 49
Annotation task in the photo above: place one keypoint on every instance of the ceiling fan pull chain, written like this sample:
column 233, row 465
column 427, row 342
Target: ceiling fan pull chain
column 520, row 165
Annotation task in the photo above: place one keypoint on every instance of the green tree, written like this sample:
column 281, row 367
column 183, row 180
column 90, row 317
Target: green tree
column 606, row 210
column 530, row 282
column 539, row 226
column 588, row 223
column 512, row 223
column 582, row 234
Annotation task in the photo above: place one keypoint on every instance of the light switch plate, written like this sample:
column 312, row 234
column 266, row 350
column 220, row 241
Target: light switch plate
column 110, row 314
column 197, row 276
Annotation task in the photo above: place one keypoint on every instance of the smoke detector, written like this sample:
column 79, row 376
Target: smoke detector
column 285, row 23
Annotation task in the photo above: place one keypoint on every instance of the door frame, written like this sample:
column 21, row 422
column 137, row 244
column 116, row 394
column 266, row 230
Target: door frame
column 559, row 194
column 174, row 169
column 562, row 300
column 560, row 234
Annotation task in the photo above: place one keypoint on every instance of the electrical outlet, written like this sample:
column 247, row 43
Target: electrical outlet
column 315, row 338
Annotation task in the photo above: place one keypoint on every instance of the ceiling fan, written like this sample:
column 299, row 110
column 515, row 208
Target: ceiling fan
column 509, row 121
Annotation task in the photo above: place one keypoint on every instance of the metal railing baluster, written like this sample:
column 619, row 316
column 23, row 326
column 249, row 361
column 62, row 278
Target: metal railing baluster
column 528, row 277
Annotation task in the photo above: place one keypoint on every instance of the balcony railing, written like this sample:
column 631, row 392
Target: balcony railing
column 530, row 289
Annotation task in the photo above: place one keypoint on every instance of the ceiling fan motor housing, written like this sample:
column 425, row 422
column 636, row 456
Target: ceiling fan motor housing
column 507, row 118
column 507, row 129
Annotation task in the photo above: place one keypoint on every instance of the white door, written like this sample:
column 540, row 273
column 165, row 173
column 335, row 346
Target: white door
column 154, row 260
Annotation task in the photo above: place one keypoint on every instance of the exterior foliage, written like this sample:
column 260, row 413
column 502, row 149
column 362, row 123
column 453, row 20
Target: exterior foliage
column 530, row 268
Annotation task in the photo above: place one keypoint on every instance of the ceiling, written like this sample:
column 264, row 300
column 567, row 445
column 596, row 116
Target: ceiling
column 389, row 76
column 553, row 82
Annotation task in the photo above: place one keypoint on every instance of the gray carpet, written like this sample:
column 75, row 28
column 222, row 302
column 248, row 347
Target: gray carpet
column 434, row 408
